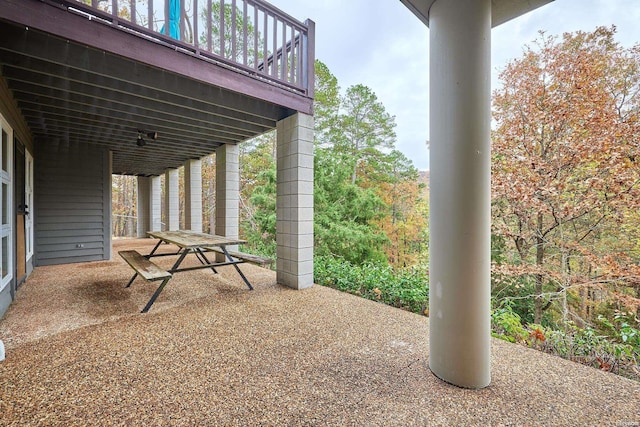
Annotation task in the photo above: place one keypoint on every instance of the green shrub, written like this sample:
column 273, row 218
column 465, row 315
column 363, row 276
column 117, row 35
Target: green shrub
column 588, row 346
column 507, row 325
column 406, row 289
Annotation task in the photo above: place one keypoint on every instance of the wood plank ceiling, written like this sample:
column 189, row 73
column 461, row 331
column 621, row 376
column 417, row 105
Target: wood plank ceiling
column 70, row 91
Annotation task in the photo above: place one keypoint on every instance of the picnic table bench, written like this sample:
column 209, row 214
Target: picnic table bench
column 147, row 270
column 250, row 258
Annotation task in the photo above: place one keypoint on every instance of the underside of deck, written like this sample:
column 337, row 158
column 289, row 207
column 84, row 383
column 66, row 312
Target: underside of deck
column 80, row 80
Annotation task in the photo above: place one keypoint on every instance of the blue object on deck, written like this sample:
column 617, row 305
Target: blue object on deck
column 174, row 20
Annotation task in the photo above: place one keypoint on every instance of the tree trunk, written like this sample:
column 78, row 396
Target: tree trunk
column 130, row 211
column 355, row 162
column 638, row 308
column 565, row 286
column 537, row 317
column 212, row 208
column 353, row 175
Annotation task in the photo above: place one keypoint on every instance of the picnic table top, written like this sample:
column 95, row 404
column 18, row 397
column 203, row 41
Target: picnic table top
column 193, row 239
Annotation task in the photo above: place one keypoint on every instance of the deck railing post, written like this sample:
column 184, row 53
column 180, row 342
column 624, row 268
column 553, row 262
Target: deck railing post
column 308, row 58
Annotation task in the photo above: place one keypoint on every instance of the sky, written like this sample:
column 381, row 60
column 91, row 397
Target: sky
column 381, row 44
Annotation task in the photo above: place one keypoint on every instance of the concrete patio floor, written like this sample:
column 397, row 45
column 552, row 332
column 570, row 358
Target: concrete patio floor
column 211, row 352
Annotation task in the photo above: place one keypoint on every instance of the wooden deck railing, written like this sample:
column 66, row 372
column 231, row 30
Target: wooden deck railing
column 248, row 35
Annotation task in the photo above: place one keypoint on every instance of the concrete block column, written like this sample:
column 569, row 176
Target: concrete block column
column 460, row 190
column 294, row 215
column 155, row 207
column 144, row 200
column 193, row 195
column 171, row 199
column 227, row 192
column 148, row 205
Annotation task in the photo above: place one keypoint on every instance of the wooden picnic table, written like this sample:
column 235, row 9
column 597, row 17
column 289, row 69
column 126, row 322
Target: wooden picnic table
column 188, row 242
column 188, row 239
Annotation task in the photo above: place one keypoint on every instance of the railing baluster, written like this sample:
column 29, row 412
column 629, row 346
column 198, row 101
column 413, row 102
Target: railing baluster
column 265, row 42
column 234, row 29
column 274, row 69
column 194, row 34
column 183, row 13
column 166, row 18
column 150, row 15
column 294, row 46
column 209, row 26
column 221, row 30
column 114, row 11
column 285, row 53
column 132, row 8
column 255, row 37
column 245, row 39
column 298, row 81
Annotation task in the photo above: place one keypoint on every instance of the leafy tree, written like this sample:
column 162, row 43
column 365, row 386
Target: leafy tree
column 405, row 223
column 326, row 104
column 258, row 193
column 344, row 214
column 565, row 166
column 123, row 205
column 355, row 140
column 262, row 235
column 364, row 129
column 208, row 165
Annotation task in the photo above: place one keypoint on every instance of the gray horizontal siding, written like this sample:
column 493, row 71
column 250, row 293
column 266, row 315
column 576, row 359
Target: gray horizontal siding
column 71, row 240
column 72, row 204
column 71, row 199
column 58, row 233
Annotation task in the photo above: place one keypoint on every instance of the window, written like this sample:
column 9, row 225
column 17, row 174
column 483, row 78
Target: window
column 6, row 231
column 28, row 198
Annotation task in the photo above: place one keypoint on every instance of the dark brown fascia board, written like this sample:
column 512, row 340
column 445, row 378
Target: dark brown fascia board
column 54, row 20
column 501, row 10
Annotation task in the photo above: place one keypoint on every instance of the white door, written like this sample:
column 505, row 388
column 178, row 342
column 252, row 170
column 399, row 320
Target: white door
column 6, row 192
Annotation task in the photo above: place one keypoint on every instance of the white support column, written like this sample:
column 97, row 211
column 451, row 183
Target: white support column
column 193, row 195
column 144, row 192
column 148, row 205
column 460, row 189
column 171, row 199
column 294, row 214
column 155, row 207
column 227, row 192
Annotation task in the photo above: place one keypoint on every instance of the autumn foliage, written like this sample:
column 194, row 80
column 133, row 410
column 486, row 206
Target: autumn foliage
column 566, row 176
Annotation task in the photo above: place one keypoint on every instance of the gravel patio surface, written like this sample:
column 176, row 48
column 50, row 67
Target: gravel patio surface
column 211, row 352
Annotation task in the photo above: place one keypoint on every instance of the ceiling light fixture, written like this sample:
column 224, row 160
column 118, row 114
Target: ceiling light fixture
column 140, row 142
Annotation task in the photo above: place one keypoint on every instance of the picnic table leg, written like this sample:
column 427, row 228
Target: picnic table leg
column 236, row 267
column 155, row 295
column 179, row 261
column 203, row 259
column 153, row 251
column 132, row 279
